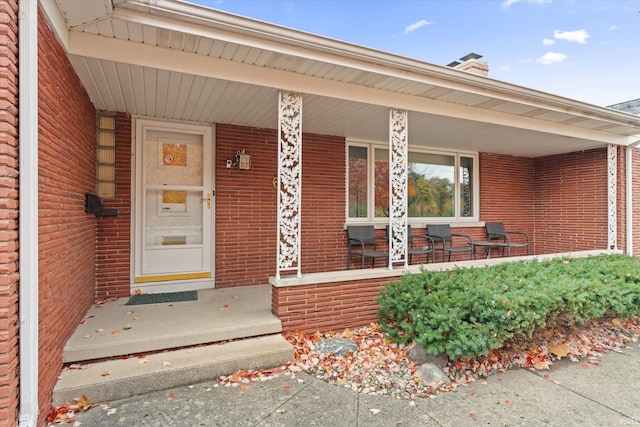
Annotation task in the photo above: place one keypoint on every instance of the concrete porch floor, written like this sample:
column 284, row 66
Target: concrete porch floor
column 217, row 315
column 181, row 342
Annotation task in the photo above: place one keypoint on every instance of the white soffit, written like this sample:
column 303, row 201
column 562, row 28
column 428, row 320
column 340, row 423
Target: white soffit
column 154, row 80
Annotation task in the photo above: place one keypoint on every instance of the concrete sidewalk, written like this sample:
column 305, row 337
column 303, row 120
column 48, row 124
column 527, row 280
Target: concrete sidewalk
column 569, row 394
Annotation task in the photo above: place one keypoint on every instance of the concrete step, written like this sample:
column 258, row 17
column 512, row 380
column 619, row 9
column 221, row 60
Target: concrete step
column 114, row 329
column 118, row 379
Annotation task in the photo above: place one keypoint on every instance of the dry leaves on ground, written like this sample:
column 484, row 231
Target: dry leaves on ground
column 381, row 367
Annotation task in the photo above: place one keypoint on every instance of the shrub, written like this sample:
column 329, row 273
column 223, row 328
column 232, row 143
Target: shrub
column 468, row 311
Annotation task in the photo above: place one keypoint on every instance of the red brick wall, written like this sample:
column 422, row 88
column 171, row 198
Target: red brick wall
column 571, row 202
column 507, row 194
column 328, row 306
column 8, row 212
column 246, row 205
column 113, row 256
column 67, row 235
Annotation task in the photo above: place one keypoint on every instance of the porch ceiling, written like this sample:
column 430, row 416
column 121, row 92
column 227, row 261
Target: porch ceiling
column 177, row 61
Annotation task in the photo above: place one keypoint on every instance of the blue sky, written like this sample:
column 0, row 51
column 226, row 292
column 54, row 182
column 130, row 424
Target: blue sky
column 587, row 50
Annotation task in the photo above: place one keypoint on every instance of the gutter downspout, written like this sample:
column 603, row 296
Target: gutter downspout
column 629, row 196
column 28, row 210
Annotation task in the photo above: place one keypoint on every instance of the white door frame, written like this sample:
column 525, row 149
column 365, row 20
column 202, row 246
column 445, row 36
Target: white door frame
column 182, row 281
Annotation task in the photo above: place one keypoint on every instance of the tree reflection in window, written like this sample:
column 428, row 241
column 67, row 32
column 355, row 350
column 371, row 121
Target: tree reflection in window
column 358, row 170
column 430, row 190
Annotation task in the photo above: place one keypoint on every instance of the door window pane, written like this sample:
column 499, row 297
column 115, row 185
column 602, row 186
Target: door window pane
column 173, row 209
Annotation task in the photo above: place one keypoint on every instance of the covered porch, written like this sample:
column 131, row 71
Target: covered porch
column 556, row 168
column 296, row 103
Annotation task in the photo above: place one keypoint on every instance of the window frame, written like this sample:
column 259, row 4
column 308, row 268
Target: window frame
column 456, row 219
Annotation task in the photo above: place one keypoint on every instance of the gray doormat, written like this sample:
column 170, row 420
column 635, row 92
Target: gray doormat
column 163, row 298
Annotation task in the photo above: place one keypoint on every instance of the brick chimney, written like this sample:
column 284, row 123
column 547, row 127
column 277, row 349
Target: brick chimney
column 471, row 64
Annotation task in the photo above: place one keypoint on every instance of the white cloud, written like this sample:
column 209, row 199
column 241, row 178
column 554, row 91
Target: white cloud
column 507, row 3
column 505, row 68
column 578, row 36
column 525, row 61
column 551, row 58
column 613, row 27
column 411, row 28
column 548, row 42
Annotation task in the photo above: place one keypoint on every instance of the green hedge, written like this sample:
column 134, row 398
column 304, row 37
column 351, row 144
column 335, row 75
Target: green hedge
column 468, row 311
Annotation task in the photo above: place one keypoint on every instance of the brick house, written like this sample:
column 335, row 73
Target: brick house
column 189, row 124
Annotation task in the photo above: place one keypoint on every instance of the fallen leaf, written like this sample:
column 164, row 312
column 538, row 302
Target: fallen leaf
column 244, row 387
column 99, row 331
column 508, row 402
column 86, row 336
column 105, row 374
column 142, row 361
column 165, row 363
column 83, row 402
column 541, row 364
column 375, row 411
column 126, row 327
column 560, row 349
column 138, row 292
column 287, row 388
column 474, row 394
column 129, row 313
column 347, row 333
column 473, row 416
column 172, row 395
column 585, row 365
column 115, row 332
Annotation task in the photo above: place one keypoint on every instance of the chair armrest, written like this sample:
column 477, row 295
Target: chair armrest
column 522, row 233
column 353, row 241
column 435, row 239
column 466, row 236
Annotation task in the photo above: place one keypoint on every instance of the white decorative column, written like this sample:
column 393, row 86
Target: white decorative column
column 289, row 182
column 398, row 164
column 612, row 165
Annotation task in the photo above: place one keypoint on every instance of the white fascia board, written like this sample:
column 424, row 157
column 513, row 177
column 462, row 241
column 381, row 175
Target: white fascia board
column 56, row 21
column 232, row 28
column 98, row 47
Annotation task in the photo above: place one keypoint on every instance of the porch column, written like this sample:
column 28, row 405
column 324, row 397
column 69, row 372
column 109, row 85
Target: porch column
column 398, row 157
column 612, row 163
column 289, row 182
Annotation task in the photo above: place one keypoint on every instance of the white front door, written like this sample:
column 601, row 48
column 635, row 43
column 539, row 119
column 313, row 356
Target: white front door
column 174, row 206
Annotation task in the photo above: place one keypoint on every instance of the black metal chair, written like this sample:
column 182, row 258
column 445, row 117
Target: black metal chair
column 363, row 243
column 425, row 249
column 496, row 231
column 443, row 239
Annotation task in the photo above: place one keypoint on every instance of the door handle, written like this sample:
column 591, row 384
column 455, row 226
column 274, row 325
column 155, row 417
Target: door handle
column 208, row 200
